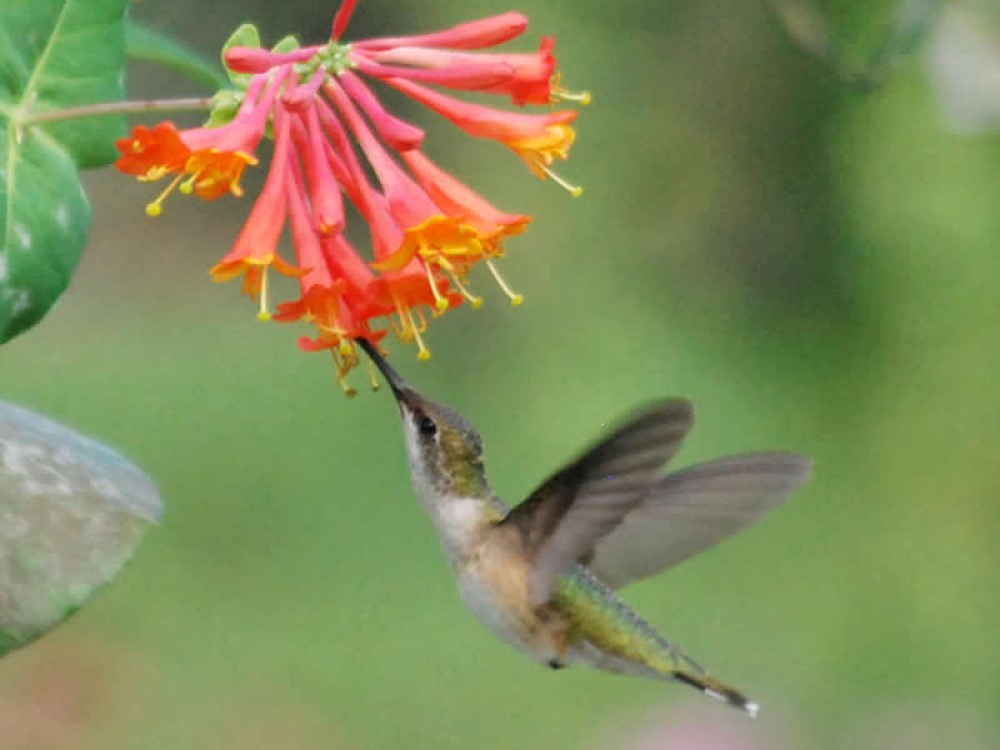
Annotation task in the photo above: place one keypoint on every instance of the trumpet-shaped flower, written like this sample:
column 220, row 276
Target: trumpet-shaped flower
column 336, row 142
column 153, row 153
column 256, row 247
column 538, row 139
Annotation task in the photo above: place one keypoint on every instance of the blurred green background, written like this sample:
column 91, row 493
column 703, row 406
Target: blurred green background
column 814, row 267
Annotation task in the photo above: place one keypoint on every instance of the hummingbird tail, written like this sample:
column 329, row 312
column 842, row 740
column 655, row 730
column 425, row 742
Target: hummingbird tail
column 718, row 690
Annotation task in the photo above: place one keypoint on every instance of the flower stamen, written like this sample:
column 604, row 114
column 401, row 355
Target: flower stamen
column 342, row 366
column 423, row 353
column 580, row 97
column 515, row 298
column 155, row 207
column 399, row 328
column 575, row 190
column 264, row 314
column 421, row 319
column 561, row 94
column 474, row 301
column 439, row 302
column 410, row 329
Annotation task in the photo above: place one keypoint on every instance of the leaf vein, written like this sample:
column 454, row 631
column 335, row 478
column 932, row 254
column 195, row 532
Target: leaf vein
column 29, row 89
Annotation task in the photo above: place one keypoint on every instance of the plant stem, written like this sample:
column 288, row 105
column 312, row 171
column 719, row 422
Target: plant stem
column 105, row 109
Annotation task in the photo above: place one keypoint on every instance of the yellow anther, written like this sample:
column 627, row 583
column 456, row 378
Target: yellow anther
column 156, row 207
column 515, row 298
column 440, row 303
column 415, row 329
column 575, row 190
column 373, row 376
column 346, row 348
column 474, row 301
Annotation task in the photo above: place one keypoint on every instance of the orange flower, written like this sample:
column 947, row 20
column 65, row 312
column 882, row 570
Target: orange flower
column 216, row 173
column 256, row 247
column 335, row 141
column 151, row 154
column 538, row 139
column 214, row 158
column 458, row 199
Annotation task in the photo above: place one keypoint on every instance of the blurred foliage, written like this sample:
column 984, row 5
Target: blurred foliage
column 905, row 30
column 814, row 268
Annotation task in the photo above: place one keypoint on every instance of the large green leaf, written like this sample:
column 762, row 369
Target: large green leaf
column 53, row 54
column 44, row 219
column 64, row 53
column 72, row 512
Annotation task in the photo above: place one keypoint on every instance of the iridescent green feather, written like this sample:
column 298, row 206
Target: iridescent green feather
column 605, row 621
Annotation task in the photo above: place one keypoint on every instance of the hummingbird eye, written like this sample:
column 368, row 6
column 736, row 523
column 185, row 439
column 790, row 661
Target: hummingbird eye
column 426, row 425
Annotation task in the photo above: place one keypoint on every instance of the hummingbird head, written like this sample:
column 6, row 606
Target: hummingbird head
column 445, row 450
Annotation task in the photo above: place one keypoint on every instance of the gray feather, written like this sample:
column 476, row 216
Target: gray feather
column 563, row 520
column 693, row 509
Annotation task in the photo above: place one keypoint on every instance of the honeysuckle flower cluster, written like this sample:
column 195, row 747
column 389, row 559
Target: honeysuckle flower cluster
column 334, row 139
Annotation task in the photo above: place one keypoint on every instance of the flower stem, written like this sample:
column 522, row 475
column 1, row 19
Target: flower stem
column 105, row 109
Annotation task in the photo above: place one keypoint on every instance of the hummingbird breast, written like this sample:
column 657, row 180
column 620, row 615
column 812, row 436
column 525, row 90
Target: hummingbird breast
column 493, row 580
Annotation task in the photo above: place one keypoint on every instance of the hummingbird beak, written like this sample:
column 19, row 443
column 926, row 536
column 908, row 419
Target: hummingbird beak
column 399, row 387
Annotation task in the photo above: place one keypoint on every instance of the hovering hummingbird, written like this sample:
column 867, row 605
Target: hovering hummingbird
column 542, row 575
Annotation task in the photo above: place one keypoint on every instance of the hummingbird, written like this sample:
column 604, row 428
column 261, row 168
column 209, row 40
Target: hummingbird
column 543, row 576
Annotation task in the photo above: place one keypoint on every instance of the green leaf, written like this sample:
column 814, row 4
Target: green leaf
column 143, row 43
column 64, row 53
column 44, row 220
column 246, row 35
column 54, row 54
column 72, row 512
column 225, row 104
column 288, row 43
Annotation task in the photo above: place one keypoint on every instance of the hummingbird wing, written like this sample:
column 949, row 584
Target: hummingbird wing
column 566, row 516
column 693, row 509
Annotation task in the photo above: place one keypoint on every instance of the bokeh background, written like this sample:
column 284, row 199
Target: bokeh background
column 815, row 266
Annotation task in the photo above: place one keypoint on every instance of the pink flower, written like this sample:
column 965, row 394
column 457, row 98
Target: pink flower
column 334, row 139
